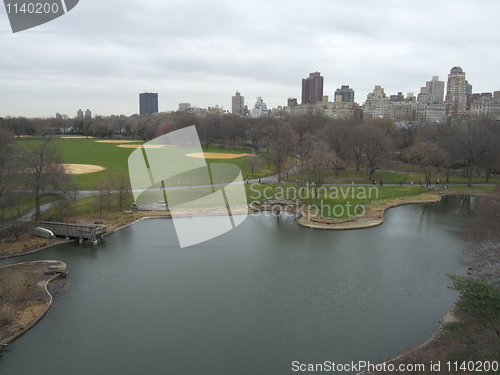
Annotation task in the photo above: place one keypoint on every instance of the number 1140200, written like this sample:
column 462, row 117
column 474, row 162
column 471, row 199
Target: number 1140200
column 32, row 8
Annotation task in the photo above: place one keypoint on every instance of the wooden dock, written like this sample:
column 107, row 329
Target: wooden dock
column 80, row 231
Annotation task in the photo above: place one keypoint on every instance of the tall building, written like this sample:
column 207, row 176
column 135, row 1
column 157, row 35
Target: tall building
column 79, row 114
column 148, row 103
column 260, row 108
column 238, row 104
column 88, row 114
column 345, row 94
column 312, row 88
column 455, row 92
column 376, row 104
column 435, row 89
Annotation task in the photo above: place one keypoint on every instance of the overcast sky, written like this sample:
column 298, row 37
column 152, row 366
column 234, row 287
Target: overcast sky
column 103, row 53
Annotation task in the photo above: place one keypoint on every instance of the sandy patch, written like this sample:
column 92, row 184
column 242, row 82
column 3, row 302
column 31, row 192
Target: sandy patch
column 82, row 168
column 117, row 141
column 215, row 155
column 145, row 146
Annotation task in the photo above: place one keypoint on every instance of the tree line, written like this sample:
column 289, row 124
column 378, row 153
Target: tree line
column 32, row 169
column 469, row 144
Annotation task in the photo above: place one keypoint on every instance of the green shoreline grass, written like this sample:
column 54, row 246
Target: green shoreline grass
column 333, row 200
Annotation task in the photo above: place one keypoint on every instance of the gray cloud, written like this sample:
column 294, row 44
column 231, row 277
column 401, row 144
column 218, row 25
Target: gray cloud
column 102, row 54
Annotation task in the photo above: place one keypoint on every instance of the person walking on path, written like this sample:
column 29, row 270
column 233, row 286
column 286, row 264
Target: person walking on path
column 380, row 182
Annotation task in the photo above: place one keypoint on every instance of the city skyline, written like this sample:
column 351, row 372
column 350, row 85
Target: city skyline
column 90, row 58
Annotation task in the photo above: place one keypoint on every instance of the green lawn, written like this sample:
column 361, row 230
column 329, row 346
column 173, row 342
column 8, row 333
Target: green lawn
column 24, row 205
column 361, row 177
column 334, row 201
column 85, row 206
column 114, row 158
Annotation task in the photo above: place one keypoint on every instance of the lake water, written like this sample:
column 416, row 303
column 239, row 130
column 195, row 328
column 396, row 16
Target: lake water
column 249, row 302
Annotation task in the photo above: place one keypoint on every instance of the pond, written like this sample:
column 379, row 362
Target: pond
column 252, row 301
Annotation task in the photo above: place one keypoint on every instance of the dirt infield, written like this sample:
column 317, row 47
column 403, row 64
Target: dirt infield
column 117, row 141
column 145, row 146
column 82, row 168
column 215, row 155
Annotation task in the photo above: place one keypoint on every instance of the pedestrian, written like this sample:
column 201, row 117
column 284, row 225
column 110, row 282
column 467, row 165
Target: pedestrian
column 380, row 182
column 374, row 182
column 411, row 183
column 400, row 183
column 259, row 180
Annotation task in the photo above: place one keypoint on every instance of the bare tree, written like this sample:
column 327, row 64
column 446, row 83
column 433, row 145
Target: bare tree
column 281, row 139
column 321, row 165
column 8, row 172
column 254, row 135
column 109, row 188
column 428, row 156
column 376, row 146
column 253, row 163
column 101, row 195
column 43, row 174
column 123, row 186
column 474, row 138
column 211, row 128
column 233, row 128
column 337, row 135
column 355, row 145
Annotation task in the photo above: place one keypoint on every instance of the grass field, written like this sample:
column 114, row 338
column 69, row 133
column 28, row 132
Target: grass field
column 114, row 158
column 405, row 177
column 25, row 204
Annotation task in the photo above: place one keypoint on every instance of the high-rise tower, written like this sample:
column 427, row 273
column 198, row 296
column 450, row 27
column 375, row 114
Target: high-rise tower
column 345, row 93
column 455, row 92
column 238, row 104
column 148, row 103
column 312, row 89
column 435, row 89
